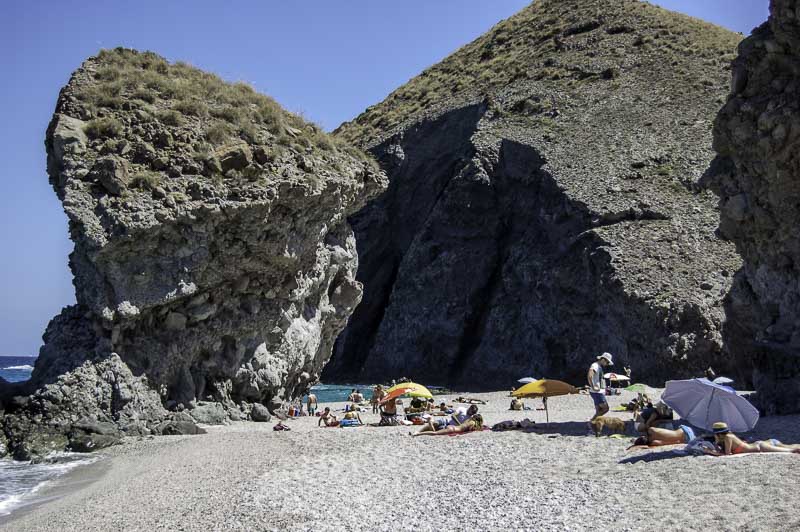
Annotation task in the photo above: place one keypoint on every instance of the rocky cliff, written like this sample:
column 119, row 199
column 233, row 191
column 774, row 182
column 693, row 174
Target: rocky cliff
column 213, row 263
column 758, row 179
column 543, row 204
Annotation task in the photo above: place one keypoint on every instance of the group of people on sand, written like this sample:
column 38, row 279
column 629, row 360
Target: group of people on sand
column 458, row 421
column 651, row 415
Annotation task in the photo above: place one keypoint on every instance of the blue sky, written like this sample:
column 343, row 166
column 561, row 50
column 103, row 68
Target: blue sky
column 327, row 59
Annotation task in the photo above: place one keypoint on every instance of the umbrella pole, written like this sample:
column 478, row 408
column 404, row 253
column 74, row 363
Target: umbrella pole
column 547, row 411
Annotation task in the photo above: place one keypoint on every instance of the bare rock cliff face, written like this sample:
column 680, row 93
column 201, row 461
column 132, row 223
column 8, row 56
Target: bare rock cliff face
column 213, row 263
column 757, row 176
column 549, row 211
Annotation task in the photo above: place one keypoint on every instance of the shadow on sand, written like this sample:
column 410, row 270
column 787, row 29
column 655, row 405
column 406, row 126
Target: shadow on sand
column 654, row 456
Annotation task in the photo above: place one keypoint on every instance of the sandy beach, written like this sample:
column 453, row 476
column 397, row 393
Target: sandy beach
column 245, row 476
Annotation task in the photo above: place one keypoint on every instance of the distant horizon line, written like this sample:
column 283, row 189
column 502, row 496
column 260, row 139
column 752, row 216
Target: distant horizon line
column 19, row 356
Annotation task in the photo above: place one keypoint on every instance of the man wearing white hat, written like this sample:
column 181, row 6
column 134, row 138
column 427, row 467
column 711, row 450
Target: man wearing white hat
column 597, row 384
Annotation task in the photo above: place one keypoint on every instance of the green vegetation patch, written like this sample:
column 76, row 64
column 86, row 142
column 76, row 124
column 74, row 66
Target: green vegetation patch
column 181, row 96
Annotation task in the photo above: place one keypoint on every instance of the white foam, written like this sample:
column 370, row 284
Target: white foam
column 19, row 367
column 19, row 481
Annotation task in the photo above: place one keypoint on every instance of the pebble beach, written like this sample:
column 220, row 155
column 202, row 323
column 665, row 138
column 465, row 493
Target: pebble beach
column 245, row 476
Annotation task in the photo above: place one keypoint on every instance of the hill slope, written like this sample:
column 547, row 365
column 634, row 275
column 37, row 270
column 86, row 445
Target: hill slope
column 543, row 204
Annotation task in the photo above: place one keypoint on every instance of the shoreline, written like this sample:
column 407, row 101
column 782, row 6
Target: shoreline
column 49, row 492
column 246, row 476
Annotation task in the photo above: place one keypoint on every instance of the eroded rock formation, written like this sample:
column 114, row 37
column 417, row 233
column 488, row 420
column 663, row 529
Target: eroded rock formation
column 757, row 177
column 213, row 263
column 543, row 204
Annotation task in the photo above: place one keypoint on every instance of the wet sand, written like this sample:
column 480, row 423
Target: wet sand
column 246, row 476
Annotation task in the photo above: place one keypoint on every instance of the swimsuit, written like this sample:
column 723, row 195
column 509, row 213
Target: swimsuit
column 688, row 432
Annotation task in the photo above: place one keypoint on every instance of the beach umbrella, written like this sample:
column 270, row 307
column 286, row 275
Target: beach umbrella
column 527, row 380
column 415, row 389
column 616, row 378
column 722, row 380
column 544, row 388
column 638, row 388
column 703, row 403
column 412, row 389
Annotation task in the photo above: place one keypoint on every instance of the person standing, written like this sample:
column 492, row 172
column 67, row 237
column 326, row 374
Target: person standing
column 597, row 385
column 311, row 404
column 377, row 396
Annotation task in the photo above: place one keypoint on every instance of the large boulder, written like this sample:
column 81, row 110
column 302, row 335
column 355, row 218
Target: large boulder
column 200, row 275
column 260, row 413
column 757, row 177
column 544, row 207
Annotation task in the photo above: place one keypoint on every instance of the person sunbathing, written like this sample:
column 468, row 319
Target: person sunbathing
column 328, row 418
column 470, row 400
column 453, row 420
column 353, row 414
column 656, row 437
column 444, row 409
column 730, row 443
column 472, row 424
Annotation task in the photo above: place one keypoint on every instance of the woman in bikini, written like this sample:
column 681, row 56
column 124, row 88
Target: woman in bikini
column 471, row 424
column 730, row 443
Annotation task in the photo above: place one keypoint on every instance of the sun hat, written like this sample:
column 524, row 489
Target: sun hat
column 720, row 428
column 607, row 356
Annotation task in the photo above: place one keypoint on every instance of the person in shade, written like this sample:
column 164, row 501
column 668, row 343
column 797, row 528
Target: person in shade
column 730, row 443
column 597, row 385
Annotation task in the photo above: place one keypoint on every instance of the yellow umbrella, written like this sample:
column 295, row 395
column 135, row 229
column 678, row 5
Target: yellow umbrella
column 545, row 388
column 412, row 390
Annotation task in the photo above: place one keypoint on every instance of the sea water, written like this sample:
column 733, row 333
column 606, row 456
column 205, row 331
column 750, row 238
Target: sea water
column 16, row 369
column 337, row 393
column 20, row 481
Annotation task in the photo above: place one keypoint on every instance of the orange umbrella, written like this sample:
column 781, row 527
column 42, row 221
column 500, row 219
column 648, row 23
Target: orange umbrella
column 545, row 388
column 396, row 392
column 417, row 390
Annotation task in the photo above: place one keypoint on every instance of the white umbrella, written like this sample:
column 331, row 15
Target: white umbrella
column 722, row 380
column 703, row 403
column 526, row 380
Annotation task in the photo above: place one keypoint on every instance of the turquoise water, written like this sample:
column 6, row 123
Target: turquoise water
column 336, row 393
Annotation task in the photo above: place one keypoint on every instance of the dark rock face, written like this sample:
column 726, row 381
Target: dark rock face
column 205, row 281
column 528, row 229
column 758, row 180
